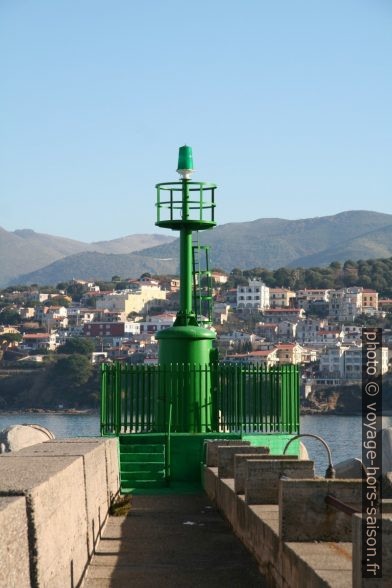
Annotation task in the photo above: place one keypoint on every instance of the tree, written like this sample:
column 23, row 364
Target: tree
column 335, row 265
column 79, row 345
column 9, row 316
column 58, row 301
column 72, row 372
column 76, row 291
column 7, row 338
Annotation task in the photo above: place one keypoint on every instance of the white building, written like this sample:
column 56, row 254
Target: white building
column 221, row 312
column 345, row 362
column 345, row 304
column 307, row 297
column 308, row 329
column 36, row 341
column 253, row 296
column 159, row 322
column 352, row 334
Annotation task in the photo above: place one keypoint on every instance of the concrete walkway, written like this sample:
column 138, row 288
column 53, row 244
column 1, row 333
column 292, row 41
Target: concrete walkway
column 171, row 541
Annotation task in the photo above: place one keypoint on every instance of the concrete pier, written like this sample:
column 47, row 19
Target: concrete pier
column 171, row 542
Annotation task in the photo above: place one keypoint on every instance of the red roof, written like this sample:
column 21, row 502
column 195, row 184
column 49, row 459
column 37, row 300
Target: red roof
column 264, row 352
column 278, row 310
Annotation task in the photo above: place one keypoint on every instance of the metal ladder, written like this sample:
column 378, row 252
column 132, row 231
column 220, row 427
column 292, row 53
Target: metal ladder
column 202, row 282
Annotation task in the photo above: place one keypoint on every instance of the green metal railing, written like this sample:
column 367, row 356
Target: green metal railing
column 244, row 398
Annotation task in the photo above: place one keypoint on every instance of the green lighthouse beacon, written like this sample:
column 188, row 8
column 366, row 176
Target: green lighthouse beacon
column 163, row 415
column 188, row 206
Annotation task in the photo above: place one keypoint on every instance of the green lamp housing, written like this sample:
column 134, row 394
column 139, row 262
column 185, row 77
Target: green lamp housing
column 185, row 161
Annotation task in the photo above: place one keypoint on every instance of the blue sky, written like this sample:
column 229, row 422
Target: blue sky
column 286, row 103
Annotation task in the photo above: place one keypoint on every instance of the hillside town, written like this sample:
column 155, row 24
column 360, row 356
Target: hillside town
column 318, row 329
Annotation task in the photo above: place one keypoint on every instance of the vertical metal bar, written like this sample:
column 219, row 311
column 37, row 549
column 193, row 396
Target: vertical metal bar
column 206, row 399
column 137, row 392
column 158, row 205
column 102, row 423
column 143, row 399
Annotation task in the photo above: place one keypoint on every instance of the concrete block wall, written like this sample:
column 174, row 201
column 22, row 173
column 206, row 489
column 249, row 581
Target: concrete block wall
column 284, row 565
column 226, row 457
column 14, row 548
column 262, row 477
column 212, row 449
column 240, row 468
column 298, row 543
column 304, row 501
column 67, row 487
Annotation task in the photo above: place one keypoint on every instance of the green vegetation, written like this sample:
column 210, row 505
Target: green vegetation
column 370, row 273
column 80, row 345
column 9, row 316
column 70, row 382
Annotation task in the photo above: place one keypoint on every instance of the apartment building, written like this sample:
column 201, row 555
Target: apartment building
column 345, row 362
column 308, row 329
column 276, row 315
column 266, row 357
column 132, row 300
column 281, row 297
column 369, row 301
column 40, row 341
column 308, row 297
column 159, row 322
column 345, row 304
column 220, row 312
column 254, row 296
column 219, row 277
column 107, row 329
column 289, row 353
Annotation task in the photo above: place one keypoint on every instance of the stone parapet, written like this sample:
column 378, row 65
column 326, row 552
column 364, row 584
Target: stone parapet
column 212, row 449
column 67, row 486
column 304, row 501
column 263, row 476
column 226, row 457
column 14, row 547
column 285, row 565
column 240, row 468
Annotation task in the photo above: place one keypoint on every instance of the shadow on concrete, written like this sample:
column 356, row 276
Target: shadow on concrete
column 172, row 541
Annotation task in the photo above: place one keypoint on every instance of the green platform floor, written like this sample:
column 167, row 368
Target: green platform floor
column 146, row 458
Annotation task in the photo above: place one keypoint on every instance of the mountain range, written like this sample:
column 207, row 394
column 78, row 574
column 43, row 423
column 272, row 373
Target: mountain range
column 265, row 242
column 25, row 250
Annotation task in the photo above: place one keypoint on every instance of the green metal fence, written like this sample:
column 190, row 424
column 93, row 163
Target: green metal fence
column 244, row 398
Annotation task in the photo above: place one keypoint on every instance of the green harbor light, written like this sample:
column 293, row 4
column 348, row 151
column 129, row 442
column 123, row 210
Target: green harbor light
column 188, row 206
column 172, row 408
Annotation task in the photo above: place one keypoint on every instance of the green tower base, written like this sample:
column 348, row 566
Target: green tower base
column 191, row 408
column 188, row 344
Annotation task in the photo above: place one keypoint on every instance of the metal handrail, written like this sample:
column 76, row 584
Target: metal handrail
column 330, row 471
